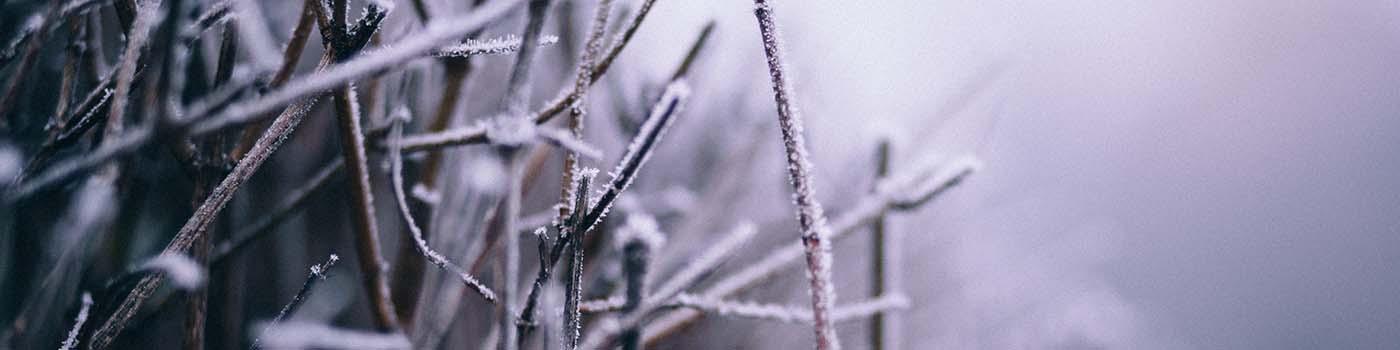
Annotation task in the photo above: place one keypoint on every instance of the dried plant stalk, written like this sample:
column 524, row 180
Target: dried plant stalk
column 810, row 217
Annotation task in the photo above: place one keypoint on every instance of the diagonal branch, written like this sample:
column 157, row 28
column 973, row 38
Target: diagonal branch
column 641, row 148
column 567, row 97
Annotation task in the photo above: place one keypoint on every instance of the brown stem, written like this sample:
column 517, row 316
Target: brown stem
column 372, row 265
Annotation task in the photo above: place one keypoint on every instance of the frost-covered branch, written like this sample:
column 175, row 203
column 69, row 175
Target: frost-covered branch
column 396, row 177
column 865, row 209
column 71, row 342
column 810, row 217
column 318, row 273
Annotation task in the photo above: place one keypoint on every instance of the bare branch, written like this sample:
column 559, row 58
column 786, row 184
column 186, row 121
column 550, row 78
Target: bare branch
column 396, row 176
column 377, row 62
column 284, row 209
column 71, row 342
column 318, row 273
column 567, row 97
column 686, row 277
column 865, row 209
column 810, row 217
column 791, row 314
column 495, row 46
column 641, row 148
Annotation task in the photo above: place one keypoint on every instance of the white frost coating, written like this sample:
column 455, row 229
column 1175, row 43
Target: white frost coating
column 307, row 335
column 183, row 272
column 663, row 114
column 494, row 46
column 319, row 271
column 790, row 314
column 72, row 341
column 642, row 228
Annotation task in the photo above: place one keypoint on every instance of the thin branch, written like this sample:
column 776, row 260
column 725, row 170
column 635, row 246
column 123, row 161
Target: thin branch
column 700, row 266
column 71, row 342
column 638, row 151
column 408, row 278
column 573, row 290
column 549, row 255
column 291, row 55
column 884, row 261
column 747, row 309
column 642, row 238
column 396, row 176
column 810, row 217
column 284, row 209
column 510, row 253
column 583, row 79
column 791, row 314
column 126, row 72
column 318, row 273
column 339, row 40
column 377, row 62
column 510, row 122
column 566, row 97
column 517, row 92
column 866, row 209
column 494, row 46
column 198, row 223
column 694, row 52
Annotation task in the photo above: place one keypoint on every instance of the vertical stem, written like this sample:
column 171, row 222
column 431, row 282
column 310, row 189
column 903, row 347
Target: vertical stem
column 879, row 242
column 582, row 81
column 510, row 251
column 810, row 218
column 573, row 289
column 634, row 266
column 366, row 227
